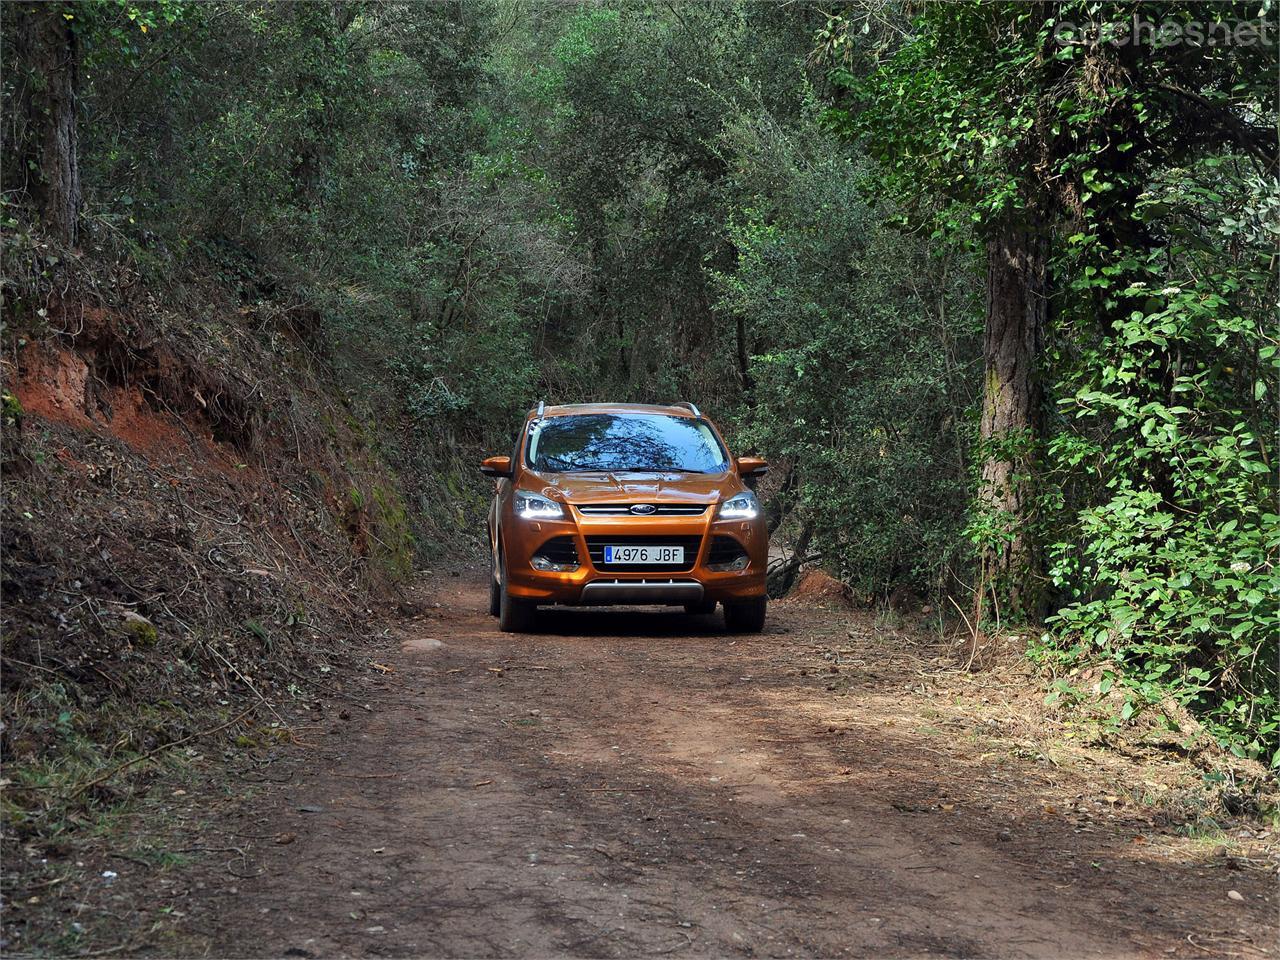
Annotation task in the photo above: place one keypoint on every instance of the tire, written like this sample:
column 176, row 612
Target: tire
column 701, row 608
column 515, row 615
column 746, row 616
column 495, row 590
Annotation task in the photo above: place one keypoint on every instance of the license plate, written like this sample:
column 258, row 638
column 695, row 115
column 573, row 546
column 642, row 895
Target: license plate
column 663, row 555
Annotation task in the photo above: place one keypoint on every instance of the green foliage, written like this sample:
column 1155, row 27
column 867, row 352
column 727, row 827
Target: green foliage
column 1155, row 476
column 950, row 113
column 1172, row 570
column 863, row 388
column 466, row 207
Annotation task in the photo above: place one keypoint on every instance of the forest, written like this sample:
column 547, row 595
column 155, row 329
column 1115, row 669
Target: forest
column 995, row 285
column 992, row 285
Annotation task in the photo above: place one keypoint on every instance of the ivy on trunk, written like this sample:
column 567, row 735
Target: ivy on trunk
column 1016, row 299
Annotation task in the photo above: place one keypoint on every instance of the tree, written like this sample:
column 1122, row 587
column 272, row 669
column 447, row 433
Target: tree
column 1017, row 299
column 48, row 56
column 1027, row 120
column 469, row 205
column 960, row 112
column 1103, row 151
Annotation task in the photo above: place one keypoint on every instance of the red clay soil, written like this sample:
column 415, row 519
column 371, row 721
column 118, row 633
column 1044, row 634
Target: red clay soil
column 819, row 586
column 57, row 385
column 639, row 783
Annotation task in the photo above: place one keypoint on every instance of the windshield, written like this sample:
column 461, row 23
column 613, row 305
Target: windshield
column 635, row 443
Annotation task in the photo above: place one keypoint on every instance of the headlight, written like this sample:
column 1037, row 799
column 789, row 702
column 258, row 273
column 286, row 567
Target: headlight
column 743, row 506
column 531, row 506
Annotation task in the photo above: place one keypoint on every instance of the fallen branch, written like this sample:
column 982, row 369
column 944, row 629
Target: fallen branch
column 160, row 749
column 245, row 681
column 370, row 776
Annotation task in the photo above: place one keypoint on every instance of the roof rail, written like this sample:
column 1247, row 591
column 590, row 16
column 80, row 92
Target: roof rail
column 542, row 405
column 693, row 407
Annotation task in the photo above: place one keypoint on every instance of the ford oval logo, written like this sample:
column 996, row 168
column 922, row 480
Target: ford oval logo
column 644, row 509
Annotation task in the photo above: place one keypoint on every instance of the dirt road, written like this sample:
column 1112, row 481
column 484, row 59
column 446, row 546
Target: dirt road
column 638, row 783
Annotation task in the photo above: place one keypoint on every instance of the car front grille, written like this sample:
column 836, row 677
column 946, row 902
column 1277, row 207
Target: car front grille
column 597, row 543
column 624, row 510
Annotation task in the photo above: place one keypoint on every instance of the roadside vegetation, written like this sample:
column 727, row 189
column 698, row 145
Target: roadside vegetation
column 991, row 285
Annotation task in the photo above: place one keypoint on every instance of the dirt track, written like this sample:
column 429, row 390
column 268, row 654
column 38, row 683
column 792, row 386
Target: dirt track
column 639, row 783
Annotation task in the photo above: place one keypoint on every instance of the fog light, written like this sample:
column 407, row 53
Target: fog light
column 738, row 563
column 546, row 566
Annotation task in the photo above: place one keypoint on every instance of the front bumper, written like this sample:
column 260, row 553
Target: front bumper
column 642, row 591
column 590, row 584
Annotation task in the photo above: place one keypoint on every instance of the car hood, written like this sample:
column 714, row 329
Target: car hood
column 702, row 488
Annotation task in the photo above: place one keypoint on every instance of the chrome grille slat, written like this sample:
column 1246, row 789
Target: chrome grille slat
column 624, row 510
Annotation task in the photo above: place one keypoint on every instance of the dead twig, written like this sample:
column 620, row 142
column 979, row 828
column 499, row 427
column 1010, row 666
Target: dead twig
column 160, row 749
column 973, row 633
column 243, row 876
column 245, row 681
column 373, row 776
column 614, row 789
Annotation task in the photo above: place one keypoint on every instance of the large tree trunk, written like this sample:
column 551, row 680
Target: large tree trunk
column 47, row 47
column 1016, row 307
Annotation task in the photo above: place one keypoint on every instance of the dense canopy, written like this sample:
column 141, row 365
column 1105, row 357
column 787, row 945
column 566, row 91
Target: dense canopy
column 991, row 284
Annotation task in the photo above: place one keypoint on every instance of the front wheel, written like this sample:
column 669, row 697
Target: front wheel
column 495, row 588
column 515, row 615
column 745, row 616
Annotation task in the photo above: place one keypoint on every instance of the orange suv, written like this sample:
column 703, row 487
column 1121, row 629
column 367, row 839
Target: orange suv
column 612, row 503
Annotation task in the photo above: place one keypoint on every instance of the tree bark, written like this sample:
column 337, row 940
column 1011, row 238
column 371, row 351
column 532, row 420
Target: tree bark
column 1011, row 414
column 46, row 41
column 780, row 579
column 744, row 362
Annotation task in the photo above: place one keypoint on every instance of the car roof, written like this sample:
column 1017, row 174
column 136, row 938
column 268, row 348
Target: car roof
column 572, row 409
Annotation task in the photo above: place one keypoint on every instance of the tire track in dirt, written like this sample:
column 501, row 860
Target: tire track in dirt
column 630, row 783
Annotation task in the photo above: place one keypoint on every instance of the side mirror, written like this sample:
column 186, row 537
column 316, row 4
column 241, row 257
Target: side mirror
column 496, row 466
column 752, row 467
